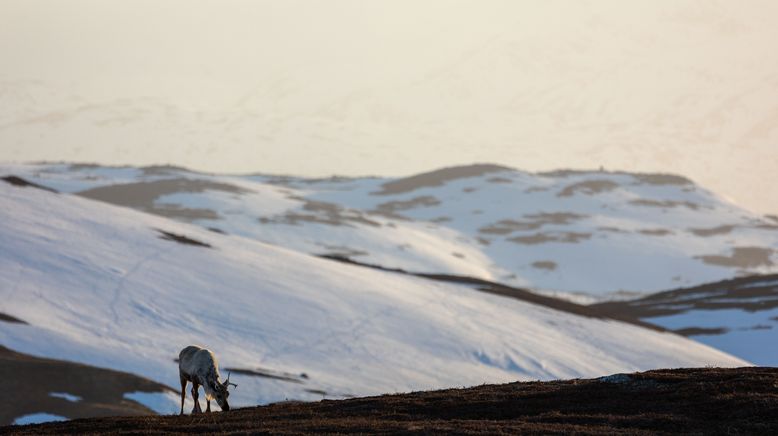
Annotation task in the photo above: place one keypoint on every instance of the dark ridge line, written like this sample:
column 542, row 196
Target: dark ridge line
column 18, row 181
column 267, row 374
column 181, row 239
column 701, row 331
column 736, row 282
column 644, row 307
column 12, row 319
column 324, row 393
column 509, row 292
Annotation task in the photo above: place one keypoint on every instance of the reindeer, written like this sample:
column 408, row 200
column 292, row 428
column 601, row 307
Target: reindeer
column 200, row 366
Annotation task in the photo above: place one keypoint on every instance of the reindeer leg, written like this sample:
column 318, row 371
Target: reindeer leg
column 196, row 408
column 208, row 407
column 183, row 392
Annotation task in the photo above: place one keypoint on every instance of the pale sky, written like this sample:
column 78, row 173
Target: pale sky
column 316, row 88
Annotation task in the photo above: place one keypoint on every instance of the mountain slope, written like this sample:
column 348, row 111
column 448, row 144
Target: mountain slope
column 739, row 316
column 584, row 234
column 116, row 288
column 680, row 401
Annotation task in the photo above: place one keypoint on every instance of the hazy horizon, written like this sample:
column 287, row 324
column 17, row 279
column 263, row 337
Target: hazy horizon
column 357, row 88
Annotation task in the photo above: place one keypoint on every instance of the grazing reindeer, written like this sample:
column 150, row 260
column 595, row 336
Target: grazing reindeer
column 200, row 366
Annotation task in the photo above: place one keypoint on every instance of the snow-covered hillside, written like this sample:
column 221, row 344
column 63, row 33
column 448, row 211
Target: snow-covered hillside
column 596, row 234
column 121, row 289
column 738, row 316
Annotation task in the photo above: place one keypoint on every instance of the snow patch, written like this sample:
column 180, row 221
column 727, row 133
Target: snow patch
column 38, row 418
column 70, row 397
column 615, row 378
column 164, row 403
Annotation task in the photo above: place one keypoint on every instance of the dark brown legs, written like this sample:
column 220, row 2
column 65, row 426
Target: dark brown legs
column 195, row 396
column 183, row 393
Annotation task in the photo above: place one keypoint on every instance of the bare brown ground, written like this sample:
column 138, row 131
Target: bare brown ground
column 655, row 232
column 640, row 178
column 588, row 187
column 680, row 401
column 437, row 178
column 719, row 230
column 662, row 179
column 741, row 257
column 143, row 196
column 542, row 238
column 28, row 382
column 322, row 213
column 531, row 222
column 665, row 204
column 392, row 208
column 545, row 264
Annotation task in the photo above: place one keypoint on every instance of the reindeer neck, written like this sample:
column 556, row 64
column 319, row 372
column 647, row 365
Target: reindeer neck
column 210, row 380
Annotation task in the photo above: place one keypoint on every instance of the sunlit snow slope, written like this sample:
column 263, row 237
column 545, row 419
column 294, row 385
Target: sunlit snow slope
column 116, row 288
column 597, row 234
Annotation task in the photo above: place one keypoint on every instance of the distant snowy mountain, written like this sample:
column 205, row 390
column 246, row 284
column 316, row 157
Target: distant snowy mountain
column 688, row 86
column 120, row 289
column 589, row 235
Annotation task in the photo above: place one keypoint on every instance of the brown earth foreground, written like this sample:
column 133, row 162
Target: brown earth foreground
column 686, row 401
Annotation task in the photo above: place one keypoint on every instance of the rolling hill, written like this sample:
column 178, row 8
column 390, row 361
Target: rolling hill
column 582, row 235
column 107, row 286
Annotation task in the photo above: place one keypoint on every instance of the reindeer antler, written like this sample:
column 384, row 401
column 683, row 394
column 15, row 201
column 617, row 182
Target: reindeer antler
column 227, row 382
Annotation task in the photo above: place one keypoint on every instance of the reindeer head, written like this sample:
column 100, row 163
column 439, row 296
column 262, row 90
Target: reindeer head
column 221, row 393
